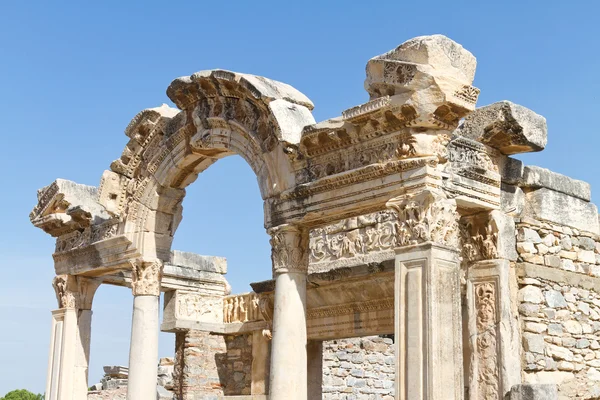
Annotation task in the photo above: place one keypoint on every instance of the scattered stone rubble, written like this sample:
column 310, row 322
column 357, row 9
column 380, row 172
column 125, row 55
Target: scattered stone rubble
column 113, row 385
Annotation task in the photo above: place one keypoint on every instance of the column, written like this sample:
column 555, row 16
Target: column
column 493, row 359
column 428, row 325
column 288, row 378
column 68, row 363
column 143, row 351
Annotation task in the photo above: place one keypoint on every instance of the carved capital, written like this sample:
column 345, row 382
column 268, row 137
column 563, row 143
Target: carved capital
column 427, row 216
column 146, row 277
column 289, row 249
column 75, row 291
column 479, row 237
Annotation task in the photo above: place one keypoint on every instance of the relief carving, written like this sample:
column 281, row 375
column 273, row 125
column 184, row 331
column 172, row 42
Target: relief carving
column 353, row 236
column 196, row 307
column 65, row 295
column 146, row 277
column 82, row 238
column 289, row 249
column 479, row 236
column 486, row 348
column 241, row 308
column 425, row 217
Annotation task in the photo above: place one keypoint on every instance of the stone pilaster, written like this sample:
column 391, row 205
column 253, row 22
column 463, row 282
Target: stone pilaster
column 143, row 351
column 289, row 253
column 428, row 309
column 494, row 364
column 70, row 338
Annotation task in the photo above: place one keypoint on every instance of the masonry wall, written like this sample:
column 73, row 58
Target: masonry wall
column 358, row 369
column 559, row 307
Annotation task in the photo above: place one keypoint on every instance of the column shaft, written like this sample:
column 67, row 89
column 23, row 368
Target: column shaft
column 288, row 354
column 143, row 352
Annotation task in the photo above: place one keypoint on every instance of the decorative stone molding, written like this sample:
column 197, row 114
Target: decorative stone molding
column 289, row 249
column 425, row 217
column 146, row 277
column 479, row 236
column 75, row 291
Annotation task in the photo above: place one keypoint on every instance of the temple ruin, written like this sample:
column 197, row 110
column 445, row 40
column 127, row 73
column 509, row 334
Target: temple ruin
column 406, row 221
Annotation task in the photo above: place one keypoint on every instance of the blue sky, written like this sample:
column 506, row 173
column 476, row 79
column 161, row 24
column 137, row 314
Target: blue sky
column 73, row 74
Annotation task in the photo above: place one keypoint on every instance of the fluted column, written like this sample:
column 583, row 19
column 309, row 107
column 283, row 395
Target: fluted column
column 143, row 351
column 428, row 307
column 288, row 378
column 68, row 363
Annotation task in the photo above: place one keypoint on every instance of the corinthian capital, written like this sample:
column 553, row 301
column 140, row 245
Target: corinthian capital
column 427, row 216
column 289, row 249
column 146, row 277
column 75, row 291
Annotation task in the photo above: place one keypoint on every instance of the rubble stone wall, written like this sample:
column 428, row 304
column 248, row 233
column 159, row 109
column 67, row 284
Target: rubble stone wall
column 358, row 369
column 235, row 365
column 559, row 307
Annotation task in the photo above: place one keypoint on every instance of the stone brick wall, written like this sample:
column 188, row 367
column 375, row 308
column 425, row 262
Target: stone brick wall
column 197, row 372
column 558, row 247
column 358, row 369
column 560, row 311
column 236, row 365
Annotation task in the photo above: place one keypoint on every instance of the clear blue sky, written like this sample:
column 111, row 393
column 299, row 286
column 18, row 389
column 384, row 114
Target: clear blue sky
column 73, row 74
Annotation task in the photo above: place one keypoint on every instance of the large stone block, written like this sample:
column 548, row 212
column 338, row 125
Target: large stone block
column 198, row 262
column 506, row 126
column 559, row 208
column 430, row 77
column 534, row 392
column 537, row 177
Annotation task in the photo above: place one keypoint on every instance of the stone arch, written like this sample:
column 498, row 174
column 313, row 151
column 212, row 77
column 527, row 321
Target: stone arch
column 220, row 113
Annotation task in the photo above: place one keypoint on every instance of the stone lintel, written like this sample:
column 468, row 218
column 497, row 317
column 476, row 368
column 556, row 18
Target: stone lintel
column 559, row 276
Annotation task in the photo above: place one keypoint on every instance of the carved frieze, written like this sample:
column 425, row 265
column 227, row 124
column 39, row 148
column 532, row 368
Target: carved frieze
column 82, row 238
column 241, row 308
column 289, row 249
column 425, row 217
column 353, row 236
column 198, row 307
column 146, row 277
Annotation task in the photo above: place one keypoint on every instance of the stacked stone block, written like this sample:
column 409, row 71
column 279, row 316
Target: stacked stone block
column 358, row 369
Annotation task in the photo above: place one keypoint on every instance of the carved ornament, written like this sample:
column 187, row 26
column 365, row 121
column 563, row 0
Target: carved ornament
column 289, row 249
column 479, row 236
column 146, row 277
column 425, row 217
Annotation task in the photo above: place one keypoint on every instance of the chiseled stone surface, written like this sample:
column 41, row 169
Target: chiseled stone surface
column 534, row 392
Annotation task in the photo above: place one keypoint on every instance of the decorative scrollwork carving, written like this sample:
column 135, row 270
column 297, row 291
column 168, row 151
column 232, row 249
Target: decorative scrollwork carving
column 75, row 291
column 487, row 366
column 289, row 249
column 146, row 277
column 426, row 217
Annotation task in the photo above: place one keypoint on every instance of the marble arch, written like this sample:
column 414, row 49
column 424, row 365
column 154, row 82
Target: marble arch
column 405, row 215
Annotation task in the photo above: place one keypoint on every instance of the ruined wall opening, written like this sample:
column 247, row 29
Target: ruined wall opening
column 224, row 217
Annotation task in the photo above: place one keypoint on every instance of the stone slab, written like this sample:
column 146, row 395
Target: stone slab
column 534, row 392
column 560, row 276
column 198, row 262
column 537, row 177
column 559, row 208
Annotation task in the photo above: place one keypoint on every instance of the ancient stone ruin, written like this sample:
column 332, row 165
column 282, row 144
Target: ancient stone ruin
column 413, row 256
